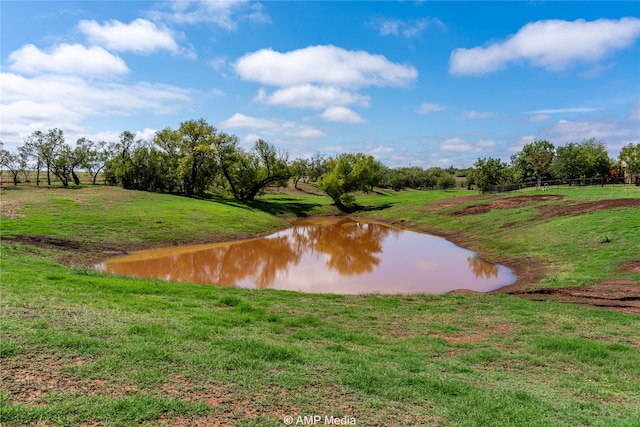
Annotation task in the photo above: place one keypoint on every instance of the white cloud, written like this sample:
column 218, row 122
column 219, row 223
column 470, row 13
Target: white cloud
column 608, row 128
column 342, row 115
column 518, row 144
column 66, row 59
column 379, row 150
column 565, row 110
column 140, row 36
column 426, row 108
column 241, row 121
column 65, row 101
column 538, row 118
column 311, row 96
column 459, row 145
column 224, row 14
column 325, row 65
column 218, row 63
column 456, row 144
column 304, row 132
column 550, row 44
column 272, row 127
column 475, row 115
column 408, row 29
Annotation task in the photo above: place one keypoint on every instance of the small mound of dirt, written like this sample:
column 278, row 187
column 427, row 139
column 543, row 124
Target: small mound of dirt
column 552, row 211
column 631, row 266
column 615, row 294
column 506, row 203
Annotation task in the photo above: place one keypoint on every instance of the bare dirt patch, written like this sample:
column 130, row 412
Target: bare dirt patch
column 631, row 266
column 555, row 210
column 505, row 203
column 619, row 295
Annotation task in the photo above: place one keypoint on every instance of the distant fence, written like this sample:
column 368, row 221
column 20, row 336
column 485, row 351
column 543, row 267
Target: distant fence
column 581, row 182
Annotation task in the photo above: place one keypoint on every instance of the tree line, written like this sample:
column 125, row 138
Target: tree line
column 540, row 160
column 196, row 157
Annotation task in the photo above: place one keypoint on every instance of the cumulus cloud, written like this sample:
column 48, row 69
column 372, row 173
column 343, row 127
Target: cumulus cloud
column 476, row 115
column 241, row 121
column 408, row 29
column 224, row 14
column 140, row 36
column 311, row 96
column 283, row 127
column 324, row 65
column 606, row 128
column 518, row 144
column 551, row 44
column 66, row 59
column 65, row 101
column 427, row 107
column 538, row 118
column 342, row 115
column 459, row 145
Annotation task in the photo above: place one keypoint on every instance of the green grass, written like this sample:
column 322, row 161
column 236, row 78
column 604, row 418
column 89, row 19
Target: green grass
column 79, row 347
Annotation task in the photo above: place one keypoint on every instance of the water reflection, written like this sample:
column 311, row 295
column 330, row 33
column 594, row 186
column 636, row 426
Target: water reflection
column 338, row 256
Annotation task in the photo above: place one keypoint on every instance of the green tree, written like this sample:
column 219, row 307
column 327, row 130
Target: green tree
column 596, row 158
column 299, row 171
column 489, row 173
column 446, row 182
column 249, row 173
column 533, row 162
column 348, row 173
column 97, row 158
column 119, row 169
column 196, row 166
column 630, row 159
column 568, row 162
column 14, row 163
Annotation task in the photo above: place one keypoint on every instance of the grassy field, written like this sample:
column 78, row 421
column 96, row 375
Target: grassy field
column 81, row 348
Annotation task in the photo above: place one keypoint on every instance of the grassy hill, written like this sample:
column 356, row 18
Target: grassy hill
column 82, row 348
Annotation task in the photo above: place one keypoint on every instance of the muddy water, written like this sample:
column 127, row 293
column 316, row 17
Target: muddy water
column 341, row 256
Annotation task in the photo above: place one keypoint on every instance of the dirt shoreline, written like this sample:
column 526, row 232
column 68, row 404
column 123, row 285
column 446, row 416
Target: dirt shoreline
column 614, row 293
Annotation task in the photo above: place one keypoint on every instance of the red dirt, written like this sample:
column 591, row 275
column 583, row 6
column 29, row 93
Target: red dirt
column 555, row 210
column 505, row 203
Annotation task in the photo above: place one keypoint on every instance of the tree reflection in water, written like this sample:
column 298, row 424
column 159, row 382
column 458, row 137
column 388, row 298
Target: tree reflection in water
column 340, row 256
column 482, row 269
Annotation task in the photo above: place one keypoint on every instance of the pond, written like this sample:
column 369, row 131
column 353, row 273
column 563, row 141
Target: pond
column 342, row 256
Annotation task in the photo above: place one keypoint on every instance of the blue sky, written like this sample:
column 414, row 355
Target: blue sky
column 412, row 83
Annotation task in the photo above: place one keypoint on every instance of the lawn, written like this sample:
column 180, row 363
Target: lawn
column 82, row 348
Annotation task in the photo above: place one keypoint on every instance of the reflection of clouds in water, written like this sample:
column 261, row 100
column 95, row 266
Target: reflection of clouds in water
column 482, row 269
column 424, row 265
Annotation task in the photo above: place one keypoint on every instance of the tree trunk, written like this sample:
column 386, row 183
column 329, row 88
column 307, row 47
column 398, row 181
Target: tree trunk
column 76, row 180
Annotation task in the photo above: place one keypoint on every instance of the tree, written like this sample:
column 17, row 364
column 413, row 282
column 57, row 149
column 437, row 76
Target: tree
column 299, row 171
column 446, row 182
column 119, row 169
column 596, row 158
column 44, row 149
column 168, row 141
column 568, row 162
column 32, row 149
column 249, row 173
column 78, row 157
column 489, row 173
column 196, row 166
column 62, row 164
column 97, row 158
column 533, row 162
column 14, row 163
column 630, row 159
column 348, row 173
